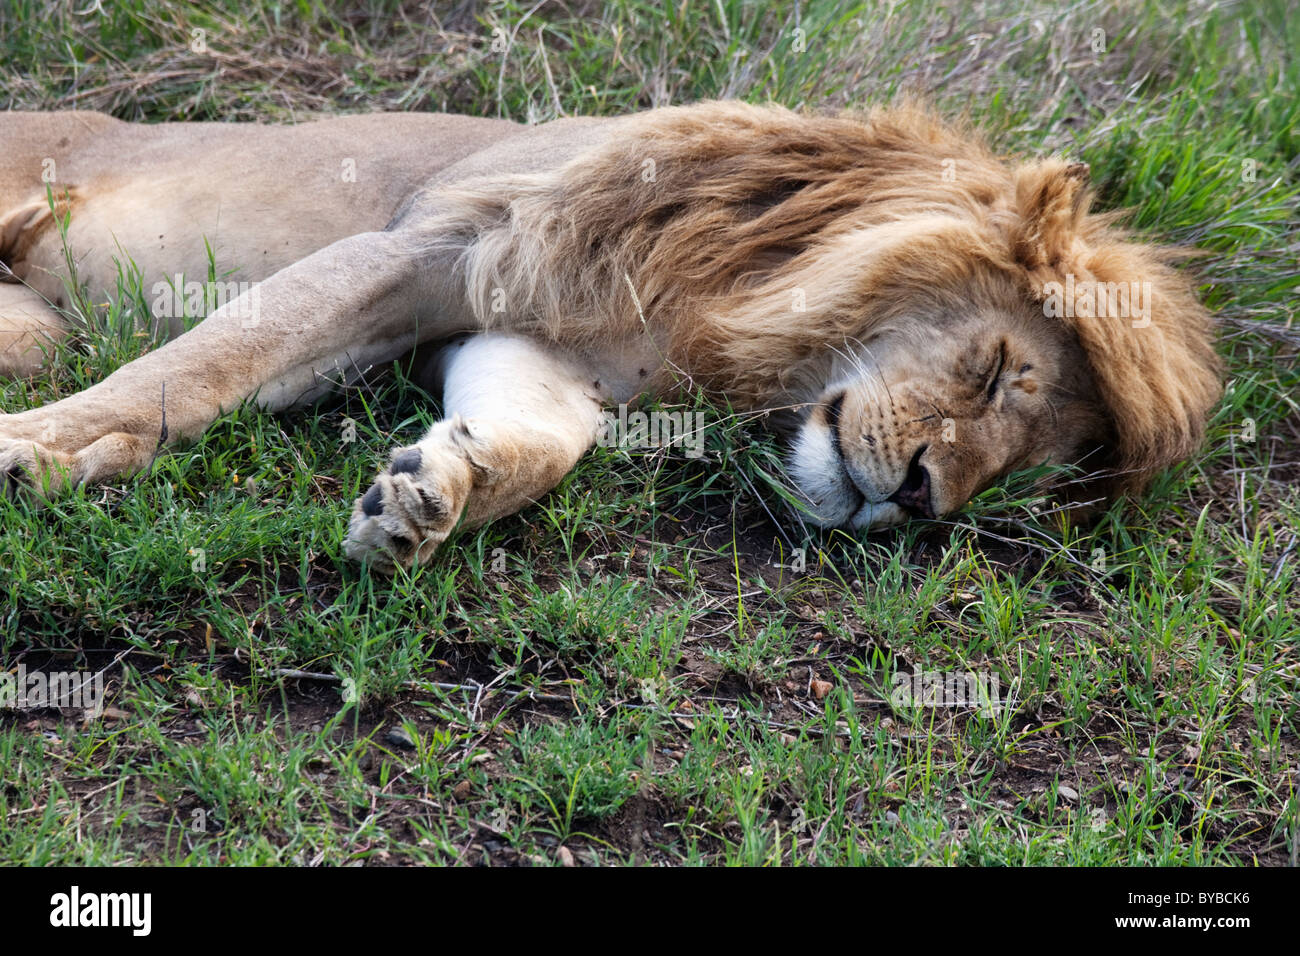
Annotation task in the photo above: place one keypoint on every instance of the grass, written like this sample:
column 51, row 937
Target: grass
column 643, row 669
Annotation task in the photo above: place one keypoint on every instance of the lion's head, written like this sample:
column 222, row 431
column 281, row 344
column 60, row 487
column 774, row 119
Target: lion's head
column 937, row 316
column 1013, row 330
column 928, row 410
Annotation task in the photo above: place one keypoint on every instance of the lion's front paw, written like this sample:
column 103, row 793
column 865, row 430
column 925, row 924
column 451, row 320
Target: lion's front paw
column 411, row 508
column 28, row 467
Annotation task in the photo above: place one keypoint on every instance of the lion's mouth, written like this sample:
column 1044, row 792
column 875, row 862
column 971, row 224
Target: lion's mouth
column 913, row 497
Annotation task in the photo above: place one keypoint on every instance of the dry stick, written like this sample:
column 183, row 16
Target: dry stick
column 130, row 83
column 1241, row 496
column 1277, row 565
column 1272, row 466
column 1279, row 332
column 103, row 670
column 290, row 673
column 735, row 713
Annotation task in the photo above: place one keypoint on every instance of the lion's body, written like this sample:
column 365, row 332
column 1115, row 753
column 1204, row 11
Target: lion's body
column 768, row 257
column 260, row 196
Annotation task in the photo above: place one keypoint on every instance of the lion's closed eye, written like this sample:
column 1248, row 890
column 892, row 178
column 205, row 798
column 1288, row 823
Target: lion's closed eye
column 994, row 374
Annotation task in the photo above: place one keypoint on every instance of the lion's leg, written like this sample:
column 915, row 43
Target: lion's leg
column 519, row 416
column 29, row 330
column 287, row 340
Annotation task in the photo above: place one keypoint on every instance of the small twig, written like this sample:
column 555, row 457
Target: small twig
column 290, row 673
column 162, row 436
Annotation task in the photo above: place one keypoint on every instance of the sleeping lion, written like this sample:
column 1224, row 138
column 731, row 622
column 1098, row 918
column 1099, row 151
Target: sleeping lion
column 925, row 317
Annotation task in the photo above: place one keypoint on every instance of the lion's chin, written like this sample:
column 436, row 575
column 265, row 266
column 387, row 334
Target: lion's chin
column 854, row 513
column 831, row 498
column 876, row 515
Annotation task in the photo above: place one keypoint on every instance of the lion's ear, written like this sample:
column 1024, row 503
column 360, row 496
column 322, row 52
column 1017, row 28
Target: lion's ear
column 1147, row 339
column 1051, row 199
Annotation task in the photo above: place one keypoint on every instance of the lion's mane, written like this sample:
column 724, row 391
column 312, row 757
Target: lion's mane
column 719, row 215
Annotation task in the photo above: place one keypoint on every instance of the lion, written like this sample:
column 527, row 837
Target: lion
column 920, row 316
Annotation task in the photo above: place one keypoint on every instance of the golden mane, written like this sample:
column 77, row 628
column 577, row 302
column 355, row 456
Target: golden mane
column 721, row 215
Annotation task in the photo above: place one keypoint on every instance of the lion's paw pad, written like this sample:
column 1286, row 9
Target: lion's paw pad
column 409, row 509
column 27, row 467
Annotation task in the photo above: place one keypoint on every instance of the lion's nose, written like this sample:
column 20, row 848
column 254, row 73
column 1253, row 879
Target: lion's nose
column 913, row 495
